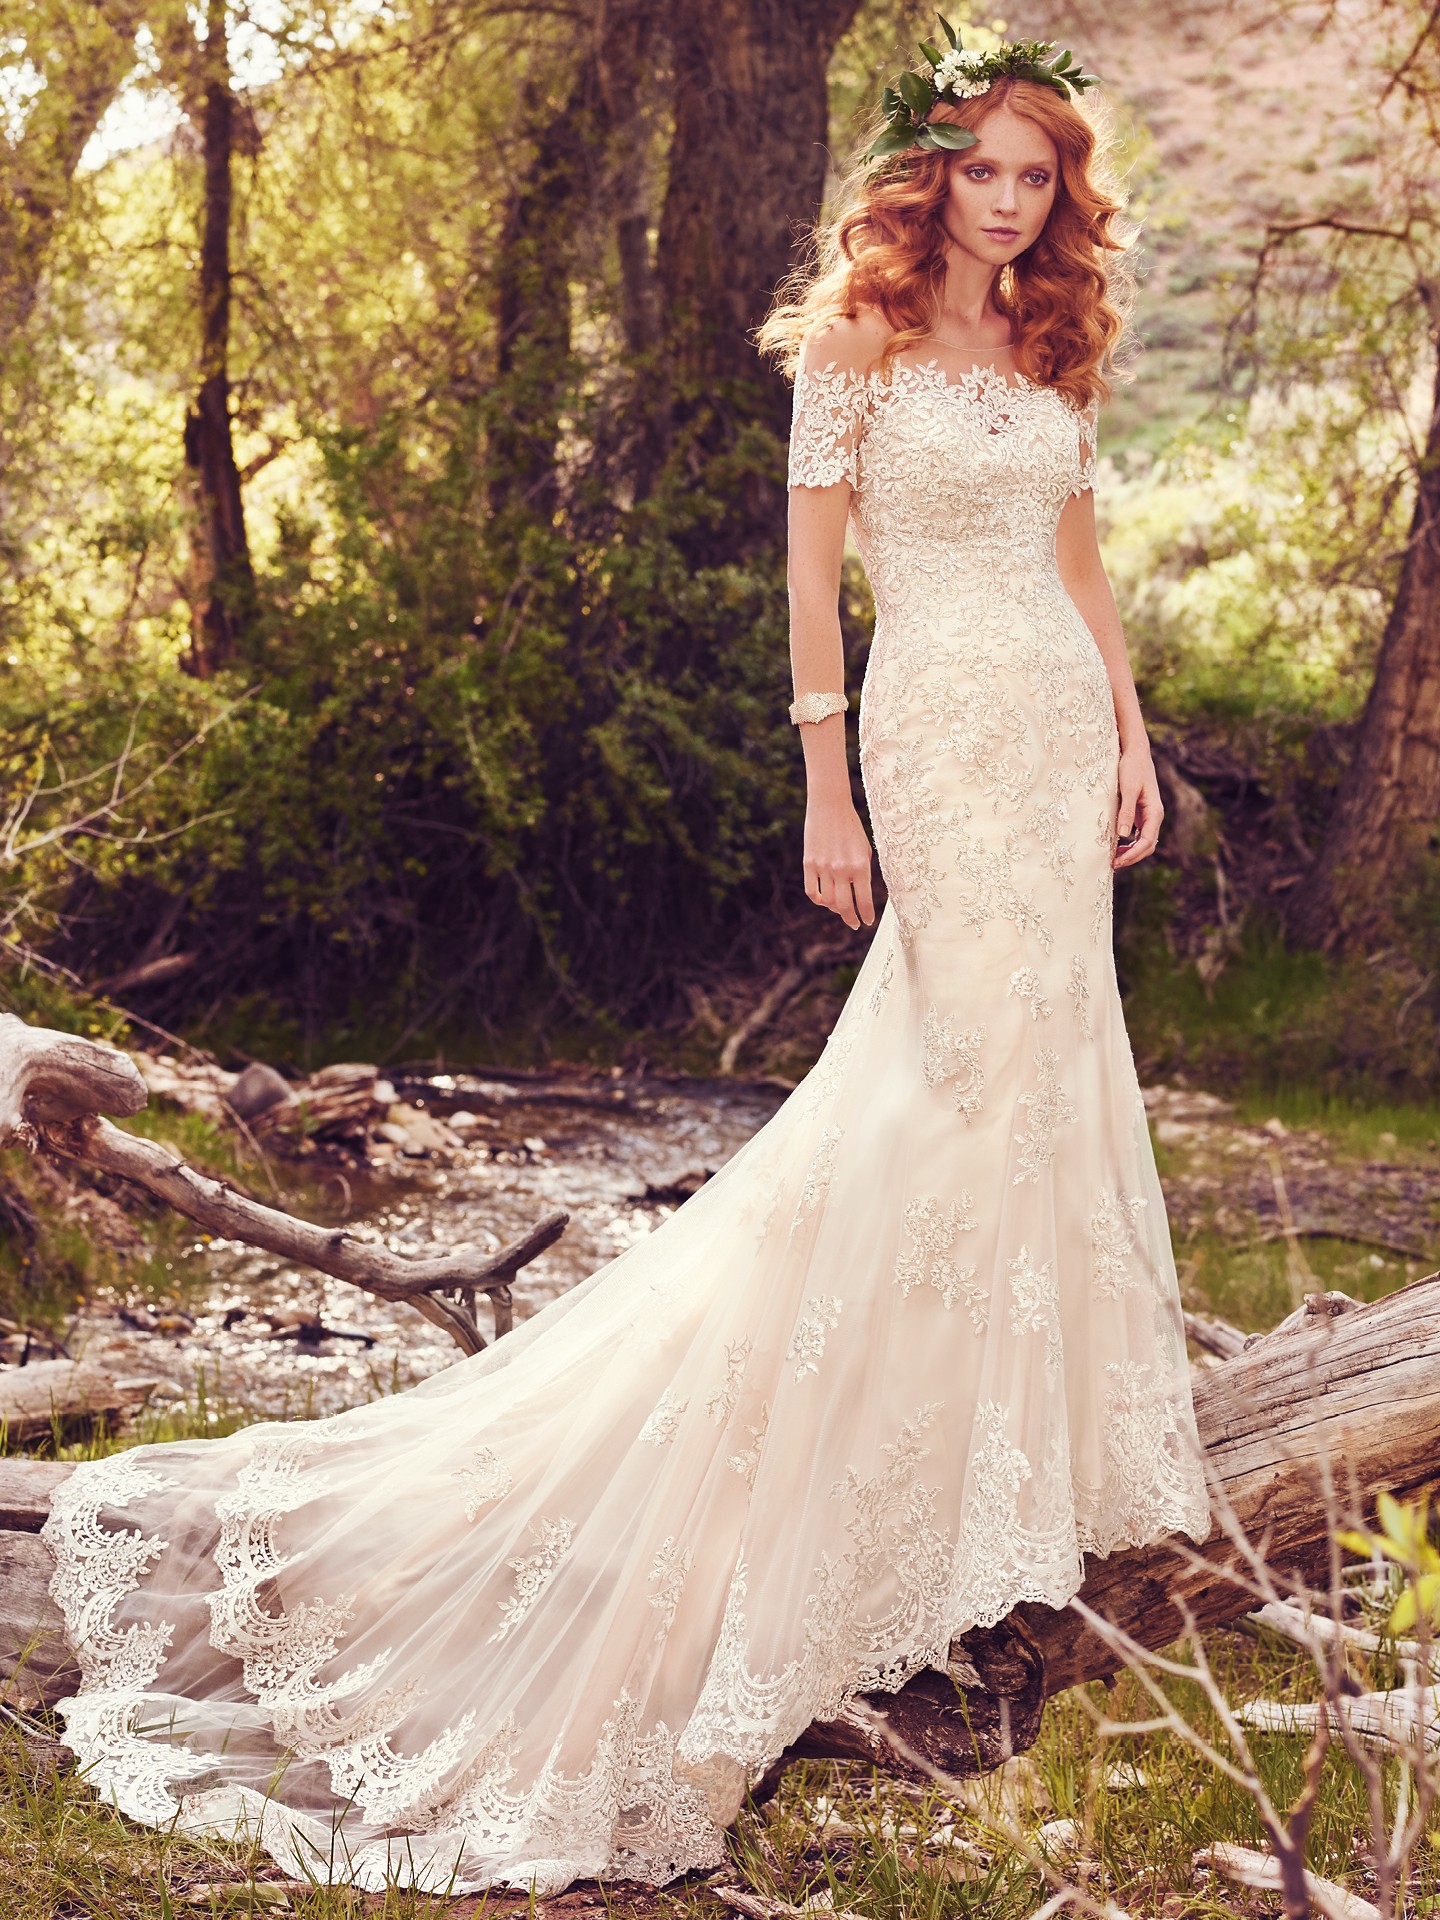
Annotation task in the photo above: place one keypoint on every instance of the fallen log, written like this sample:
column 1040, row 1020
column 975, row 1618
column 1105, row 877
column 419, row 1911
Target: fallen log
column 64, row 1397
column 1299, row 1431
column 55, row 1089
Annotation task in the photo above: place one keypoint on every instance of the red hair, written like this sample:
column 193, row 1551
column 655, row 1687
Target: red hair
column 1068, row 295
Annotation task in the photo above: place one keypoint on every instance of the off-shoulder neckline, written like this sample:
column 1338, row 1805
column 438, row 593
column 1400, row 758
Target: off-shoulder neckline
column 974, row 377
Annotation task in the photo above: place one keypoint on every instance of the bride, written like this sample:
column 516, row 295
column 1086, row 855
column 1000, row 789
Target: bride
column 915, row 1350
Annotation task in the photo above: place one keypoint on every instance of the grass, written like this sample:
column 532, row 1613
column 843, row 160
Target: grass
column 1144, row 1807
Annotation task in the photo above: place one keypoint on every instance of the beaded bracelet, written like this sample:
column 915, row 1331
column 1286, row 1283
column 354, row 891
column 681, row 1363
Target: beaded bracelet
column 817, row 706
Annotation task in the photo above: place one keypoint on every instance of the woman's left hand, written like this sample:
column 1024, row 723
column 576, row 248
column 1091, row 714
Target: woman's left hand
column 1137, row 824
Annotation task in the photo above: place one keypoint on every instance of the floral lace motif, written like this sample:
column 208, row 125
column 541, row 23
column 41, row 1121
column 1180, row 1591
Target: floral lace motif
column 1025, row 985
column 952, row 1060
column 932, row 1234
column 534, row 1571
column 747, row 1461
column 664, row 1423
column 724, row 1400
column 1113, row 1242
column 667, row 1575
column 807, row 1343
column 487, row 1478
column 1050, row 1107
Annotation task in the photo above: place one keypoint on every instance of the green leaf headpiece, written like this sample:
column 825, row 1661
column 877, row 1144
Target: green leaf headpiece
column 961, row 74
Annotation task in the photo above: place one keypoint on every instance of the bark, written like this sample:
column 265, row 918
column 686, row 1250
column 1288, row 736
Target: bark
column 1387, row 811
column 628, row 55
column 537, row 252
column 747, row 175
column 224, row 577
column 84, row 56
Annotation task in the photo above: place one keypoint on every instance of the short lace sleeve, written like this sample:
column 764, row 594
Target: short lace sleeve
column 827, row 422
column 1089, row 425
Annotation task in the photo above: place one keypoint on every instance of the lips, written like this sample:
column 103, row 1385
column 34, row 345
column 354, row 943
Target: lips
column 1002, row 233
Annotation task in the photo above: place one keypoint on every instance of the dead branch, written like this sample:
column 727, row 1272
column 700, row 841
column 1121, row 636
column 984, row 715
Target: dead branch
column 54, row 1091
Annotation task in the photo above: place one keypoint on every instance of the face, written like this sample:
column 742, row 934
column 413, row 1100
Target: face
column 1001, row 189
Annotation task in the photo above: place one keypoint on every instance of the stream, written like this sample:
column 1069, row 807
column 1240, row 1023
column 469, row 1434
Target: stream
column 618, row 1156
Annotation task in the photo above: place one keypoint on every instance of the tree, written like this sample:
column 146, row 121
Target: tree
column 747, row 174
column 1382, row 827
column 224, row 577
column 75, row 60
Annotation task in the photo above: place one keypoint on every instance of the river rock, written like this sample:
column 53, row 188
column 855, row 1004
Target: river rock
column 259, row 1089
column 416, row 1132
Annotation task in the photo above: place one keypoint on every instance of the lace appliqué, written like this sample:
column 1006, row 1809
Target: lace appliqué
column 807, row 1343
column 1035, row 1306
column 724, row 1400
column 952, row 1060
column 1079, row 991
column 819, row 1175
column 1049, row 1107
column 534, row 1572
column 1025, row 985
column 747, row 1461
column 1112, row 1243
column 909, row 823
column 486, row 1478
column 662, row 1425
column 667, row 1575
column 828, row 408
column 932, row 1234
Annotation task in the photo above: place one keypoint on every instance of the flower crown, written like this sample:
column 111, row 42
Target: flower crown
column 962, row 74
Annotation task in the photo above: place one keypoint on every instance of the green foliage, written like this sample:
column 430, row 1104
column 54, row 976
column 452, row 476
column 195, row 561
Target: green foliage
column 1405, row 1537
column 1254, row 565
column 1274, row 1020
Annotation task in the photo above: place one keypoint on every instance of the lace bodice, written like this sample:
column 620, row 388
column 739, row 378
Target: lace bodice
column 958, row 481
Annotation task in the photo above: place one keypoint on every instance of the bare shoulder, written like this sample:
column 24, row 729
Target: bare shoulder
column 852, row 344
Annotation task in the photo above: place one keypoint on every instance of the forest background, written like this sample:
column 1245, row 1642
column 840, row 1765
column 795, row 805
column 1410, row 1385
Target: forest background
column 392, row 598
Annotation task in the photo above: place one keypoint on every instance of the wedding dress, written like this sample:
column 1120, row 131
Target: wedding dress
column 912, row 1351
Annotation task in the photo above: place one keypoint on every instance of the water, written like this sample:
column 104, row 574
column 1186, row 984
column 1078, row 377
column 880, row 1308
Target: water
column 592, row 1147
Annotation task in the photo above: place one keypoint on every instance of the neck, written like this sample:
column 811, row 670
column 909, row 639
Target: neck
column 967, row 303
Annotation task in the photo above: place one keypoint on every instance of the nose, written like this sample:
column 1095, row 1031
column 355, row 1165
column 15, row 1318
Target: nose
column 1006, row 199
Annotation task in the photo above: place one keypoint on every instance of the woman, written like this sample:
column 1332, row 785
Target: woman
column 911, row 1353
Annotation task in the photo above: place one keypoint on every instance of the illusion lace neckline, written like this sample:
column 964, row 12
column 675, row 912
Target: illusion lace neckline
column 976, row 375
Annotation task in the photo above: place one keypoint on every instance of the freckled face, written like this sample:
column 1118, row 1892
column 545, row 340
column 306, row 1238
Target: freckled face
column 1001, row 189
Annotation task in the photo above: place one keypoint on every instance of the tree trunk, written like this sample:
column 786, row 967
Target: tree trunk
column 747, row 175
column 532, row 301
column 1388, row 807
column 83, row 67
column 225, row 580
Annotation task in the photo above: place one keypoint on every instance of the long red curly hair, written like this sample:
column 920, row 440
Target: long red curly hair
column 1068, row 296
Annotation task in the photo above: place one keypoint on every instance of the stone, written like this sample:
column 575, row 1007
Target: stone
column 259, row 1089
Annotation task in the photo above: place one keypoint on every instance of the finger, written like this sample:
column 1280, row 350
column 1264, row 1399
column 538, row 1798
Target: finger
column 865, row 899
column 845, row 904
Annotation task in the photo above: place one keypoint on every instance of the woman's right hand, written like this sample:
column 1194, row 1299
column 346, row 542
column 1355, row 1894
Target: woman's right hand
column 837, row 862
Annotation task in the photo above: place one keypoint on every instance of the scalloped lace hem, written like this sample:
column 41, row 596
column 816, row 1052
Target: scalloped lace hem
column 656, row 1803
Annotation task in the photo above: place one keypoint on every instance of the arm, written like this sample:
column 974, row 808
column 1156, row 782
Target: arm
column 824, row 437
column 836, row 856
column 1077, row 550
